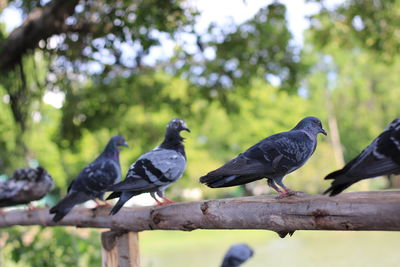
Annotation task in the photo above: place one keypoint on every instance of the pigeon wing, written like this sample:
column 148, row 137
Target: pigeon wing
column 96, row 177
column 157, row 168
column 276, row 155
column 8, row 192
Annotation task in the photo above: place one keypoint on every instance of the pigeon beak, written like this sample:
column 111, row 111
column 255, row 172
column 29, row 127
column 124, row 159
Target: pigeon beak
column 323, row 131
column 184, row 127
column 125, row 144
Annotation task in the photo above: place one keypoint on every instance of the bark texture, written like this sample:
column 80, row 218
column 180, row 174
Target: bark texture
column 120, row 249
column 349, row 211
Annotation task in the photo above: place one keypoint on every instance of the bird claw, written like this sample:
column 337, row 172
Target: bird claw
column 166, row 201
column 286, row 194
column 99, row 204
column 31, row 207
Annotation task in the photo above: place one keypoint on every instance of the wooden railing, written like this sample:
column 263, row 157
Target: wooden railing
column 349, row 211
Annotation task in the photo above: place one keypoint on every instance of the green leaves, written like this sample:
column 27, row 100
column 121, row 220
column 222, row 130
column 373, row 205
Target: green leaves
column 372, row 25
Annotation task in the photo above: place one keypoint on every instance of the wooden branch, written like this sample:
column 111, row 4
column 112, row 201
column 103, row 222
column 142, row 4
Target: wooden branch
column 350, row 211
column 40, row 24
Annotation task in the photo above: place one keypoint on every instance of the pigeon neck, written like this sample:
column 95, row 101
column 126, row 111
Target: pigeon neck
column 111, row 151
column 310, row 133
column 173, row 141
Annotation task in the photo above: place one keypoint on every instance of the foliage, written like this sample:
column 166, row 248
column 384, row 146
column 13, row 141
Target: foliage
column 45, row 247
column 259, row 48
column 371, row 24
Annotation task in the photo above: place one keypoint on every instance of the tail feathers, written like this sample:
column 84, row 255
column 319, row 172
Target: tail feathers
column 339, row 185
column 131, row 185
column 223, row 182
column 125, row 196
column 216, row 180
column 228, row 180
column 66, row 204
column 335, row 174
column 7, row 202
column 114, row 195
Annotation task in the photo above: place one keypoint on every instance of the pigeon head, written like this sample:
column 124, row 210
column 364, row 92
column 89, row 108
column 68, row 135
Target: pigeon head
column 236, row 255
column 113, row 145
column 312, row 125
column 177, row 125
column 172, row 135
column 118, row 140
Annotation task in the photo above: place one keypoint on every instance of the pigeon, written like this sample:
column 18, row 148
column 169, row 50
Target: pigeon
column 272, row 158
column 24, row 186
column 237, row 255
column 155, row 170
column 93, row 180
column 381, row 157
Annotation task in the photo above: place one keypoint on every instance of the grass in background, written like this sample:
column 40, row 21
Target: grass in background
column 205, row 248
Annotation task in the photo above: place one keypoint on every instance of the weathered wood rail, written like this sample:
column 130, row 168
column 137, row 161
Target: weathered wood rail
column 376, row 210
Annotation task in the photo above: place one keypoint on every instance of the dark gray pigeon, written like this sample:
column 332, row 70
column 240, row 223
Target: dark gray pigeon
column 156, row 170
column 381, row 157
column 237, row 255
column 272, row 158
column 93, row 180
column 24, row 186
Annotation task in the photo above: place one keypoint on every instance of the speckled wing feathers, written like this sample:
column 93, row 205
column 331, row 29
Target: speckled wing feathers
column 157, row 168
column 274, row 156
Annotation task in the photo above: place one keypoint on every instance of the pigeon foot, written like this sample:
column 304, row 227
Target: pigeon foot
column 100, row 204
column 286, row 194
column 32, row 207
column 166, row 201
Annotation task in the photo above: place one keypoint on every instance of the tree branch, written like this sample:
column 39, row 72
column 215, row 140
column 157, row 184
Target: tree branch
column 40, row 24
column 350, row 211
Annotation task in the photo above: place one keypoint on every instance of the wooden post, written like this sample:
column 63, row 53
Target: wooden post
column 120, row 249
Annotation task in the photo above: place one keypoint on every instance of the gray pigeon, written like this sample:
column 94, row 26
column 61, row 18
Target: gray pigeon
column 237, row 255
column 24, row 186
column 156, row 170
column 93, row 180
column 381, row 157
column 272, row 158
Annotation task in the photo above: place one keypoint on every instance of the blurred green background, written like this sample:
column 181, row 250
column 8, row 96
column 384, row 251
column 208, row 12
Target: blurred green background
column 236, row 75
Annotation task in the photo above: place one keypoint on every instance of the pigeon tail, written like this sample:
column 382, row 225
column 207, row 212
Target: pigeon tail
column 336, row 174
column 125, row 196
column 66, row 204
column 132, row 185
column 339, row 185
column 227, row 181
column 114, row 195
column 219, row 181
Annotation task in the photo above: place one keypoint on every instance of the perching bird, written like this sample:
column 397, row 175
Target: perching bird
column 237, row 255
column 156, row 170
column 25, row 186
column 272, row 158
column 381, row 157
column 93, row 180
